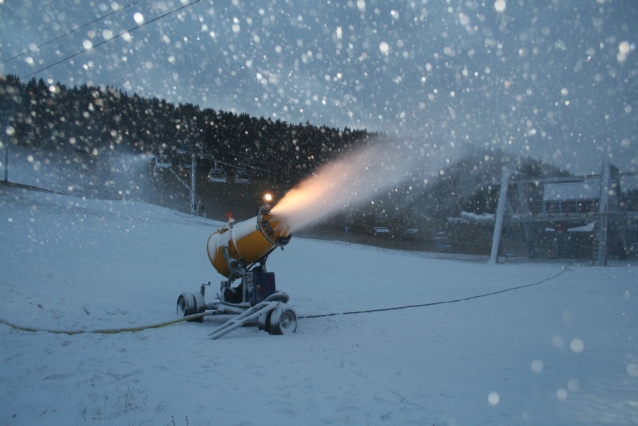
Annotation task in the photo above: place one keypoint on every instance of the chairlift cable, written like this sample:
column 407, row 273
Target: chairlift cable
column 245, row 166
column 247, row 157
column 106, row 41
column 72, row 31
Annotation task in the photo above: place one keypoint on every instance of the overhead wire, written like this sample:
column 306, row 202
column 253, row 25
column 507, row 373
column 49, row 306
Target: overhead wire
column 71, row 32
column 110, row 39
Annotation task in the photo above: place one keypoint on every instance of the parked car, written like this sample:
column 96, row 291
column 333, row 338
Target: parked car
column 380, row 230
column 441, row 241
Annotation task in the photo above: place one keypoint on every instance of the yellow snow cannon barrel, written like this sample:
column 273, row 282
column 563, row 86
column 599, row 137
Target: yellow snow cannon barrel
column 249, row 240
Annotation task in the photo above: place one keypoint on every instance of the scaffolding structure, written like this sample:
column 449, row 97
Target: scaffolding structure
column 584, row 203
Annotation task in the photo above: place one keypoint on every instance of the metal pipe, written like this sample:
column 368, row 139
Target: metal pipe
column 194, row 209
column 500, row 214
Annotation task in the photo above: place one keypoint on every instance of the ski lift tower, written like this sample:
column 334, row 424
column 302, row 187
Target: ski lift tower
column 194, row 201
column 193, row 185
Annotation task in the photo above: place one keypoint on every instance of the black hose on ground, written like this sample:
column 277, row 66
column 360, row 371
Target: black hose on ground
column 200, row 315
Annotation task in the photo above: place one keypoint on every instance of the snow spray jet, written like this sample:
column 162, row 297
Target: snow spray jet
column 128, row 175
column 354, row 179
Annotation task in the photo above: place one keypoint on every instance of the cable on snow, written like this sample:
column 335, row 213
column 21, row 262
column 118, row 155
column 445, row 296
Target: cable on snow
column 200, row 315
column 105, row 330
column 421, row 305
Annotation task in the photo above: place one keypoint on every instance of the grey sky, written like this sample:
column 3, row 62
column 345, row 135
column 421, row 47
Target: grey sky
column 557, row 80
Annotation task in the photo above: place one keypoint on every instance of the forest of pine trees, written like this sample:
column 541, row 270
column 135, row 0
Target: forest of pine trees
column 53, row 116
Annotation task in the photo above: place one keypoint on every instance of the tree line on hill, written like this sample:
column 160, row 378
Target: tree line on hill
column 93, row 119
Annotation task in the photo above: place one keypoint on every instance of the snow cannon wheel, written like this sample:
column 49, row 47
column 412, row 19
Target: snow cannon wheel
column 283, row 321
column 263, row 321
column 191, row 304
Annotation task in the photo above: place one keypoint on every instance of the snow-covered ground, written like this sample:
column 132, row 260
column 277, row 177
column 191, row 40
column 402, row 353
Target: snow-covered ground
column 562, row 352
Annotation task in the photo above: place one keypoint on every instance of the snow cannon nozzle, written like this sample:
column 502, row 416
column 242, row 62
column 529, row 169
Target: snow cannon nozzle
column 274, row 229
column 265, row 209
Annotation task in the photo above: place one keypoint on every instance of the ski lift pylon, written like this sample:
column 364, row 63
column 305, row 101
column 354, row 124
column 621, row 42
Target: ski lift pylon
column 185, row 162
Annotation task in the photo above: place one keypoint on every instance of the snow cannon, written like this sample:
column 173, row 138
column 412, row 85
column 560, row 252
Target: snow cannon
column 238, row 251
column 238, row 244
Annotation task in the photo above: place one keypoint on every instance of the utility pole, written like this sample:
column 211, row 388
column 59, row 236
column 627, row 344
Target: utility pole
column 603, row 216
column 500, row 214
column 194, row 209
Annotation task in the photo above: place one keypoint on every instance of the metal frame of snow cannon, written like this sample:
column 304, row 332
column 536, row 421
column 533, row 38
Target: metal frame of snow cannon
column 254, row 300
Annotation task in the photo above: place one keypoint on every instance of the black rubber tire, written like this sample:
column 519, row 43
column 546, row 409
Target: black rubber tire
column 264, row 321
column 283, row 321
column 187, row 305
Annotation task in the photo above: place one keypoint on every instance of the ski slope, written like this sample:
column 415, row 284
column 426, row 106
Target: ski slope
column 562, row 352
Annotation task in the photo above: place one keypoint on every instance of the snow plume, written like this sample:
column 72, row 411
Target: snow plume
column 354, row 179
column 127, row 176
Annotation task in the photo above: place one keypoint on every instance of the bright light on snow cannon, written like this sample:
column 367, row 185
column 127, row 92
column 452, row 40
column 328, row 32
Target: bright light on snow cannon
column 247, row 242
